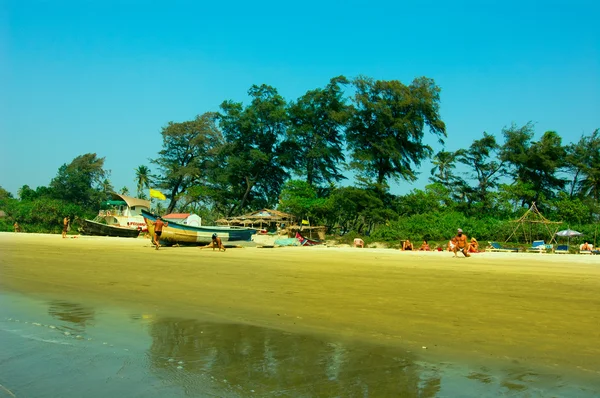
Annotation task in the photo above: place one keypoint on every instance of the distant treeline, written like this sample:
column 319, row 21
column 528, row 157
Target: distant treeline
column 293, row 154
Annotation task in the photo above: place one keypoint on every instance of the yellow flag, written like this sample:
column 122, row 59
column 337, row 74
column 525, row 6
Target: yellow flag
column 305, row 222
column 157, row 194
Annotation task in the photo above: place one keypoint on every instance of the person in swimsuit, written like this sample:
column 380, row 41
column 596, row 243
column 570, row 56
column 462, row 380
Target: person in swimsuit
column 473, row 246
column 460, row 243
column 216, row 243
column 359, row 242
column 65, row 226
column 425, row 246
column 17, row 227
column 158, row 227
column 407, row 245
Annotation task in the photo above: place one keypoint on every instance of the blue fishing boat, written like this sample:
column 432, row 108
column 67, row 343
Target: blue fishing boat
column 189, row 234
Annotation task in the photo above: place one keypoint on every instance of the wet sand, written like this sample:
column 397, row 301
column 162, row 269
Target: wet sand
column 542, row 310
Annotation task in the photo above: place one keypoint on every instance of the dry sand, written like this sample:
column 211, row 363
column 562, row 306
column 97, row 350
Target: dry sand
column 541, row 309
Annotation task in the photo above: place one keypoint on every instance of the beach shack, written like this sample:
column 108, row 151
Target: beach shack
column 184, row 218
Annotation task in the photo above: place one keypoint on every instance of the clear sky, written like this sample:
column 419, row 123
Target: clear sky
column 104, row 76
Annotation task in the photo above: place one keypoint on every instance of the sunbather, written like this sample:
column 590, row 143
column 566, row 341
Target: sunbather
column 473, row 246
column 586, row 247
column 407, row 245
column 358, row 242
column 425, row 246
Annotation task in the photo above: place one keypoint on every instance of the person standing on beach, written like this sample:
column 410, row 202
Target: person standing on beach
column 158, row 227
column 65, row 226
column 460, row 243
column 17, row 227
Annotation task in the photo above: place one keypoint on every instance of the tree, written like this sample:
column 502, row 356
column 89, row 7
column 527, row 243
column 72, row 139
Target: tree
column 253, row 162
column 583, row 161
column 315, row 134
column 188, row 148
column 534, row 163
column 107, row 188
column 26, row 193
column 80, row 182
column 125, row 191
column 443, row 164
column 300, row 199
column 142, row 180
column 480, row 158
column 386, row 130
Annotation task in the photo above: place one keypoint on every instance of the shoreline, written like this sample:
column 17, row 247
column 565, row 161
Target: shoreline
column 532, row 308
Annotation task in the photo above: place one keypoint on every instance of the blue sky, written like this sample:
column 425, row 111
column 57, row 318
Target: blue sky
column 105, row 76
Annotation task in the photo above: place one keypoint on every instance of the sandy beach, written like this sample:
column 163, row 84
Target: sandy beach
column 542, row 309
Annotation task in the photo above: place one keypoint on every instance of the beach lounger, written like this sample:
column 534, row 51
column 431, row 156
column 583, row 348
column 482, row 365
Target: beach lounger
column 587, row 251
column 538, row 246
column 562, row 249
column 495, row 247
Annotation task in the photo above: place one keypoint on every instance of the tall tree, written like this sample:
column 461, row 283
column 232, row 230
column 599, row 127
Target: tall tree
column 481, row 157
column 81, row 182
column 124, row 191
column 534, row 165
column 583, row 162
column 188, row 147
column 315, row 134
column 142, row 180
column 254, row 159
column 443, row 165
column 385, row 133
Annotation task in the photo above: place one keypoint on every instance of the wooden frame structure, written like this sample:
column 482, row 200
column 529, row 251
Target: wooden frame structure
column 532, row 217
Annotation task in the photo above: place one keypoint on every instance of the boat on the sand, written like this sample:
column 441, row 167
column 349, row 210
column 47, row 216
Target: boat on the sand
column 120, row 216
column 189, row 234
column 98, row 229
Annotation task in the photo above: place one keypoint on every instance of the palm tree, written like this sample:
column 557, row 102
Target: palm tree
column 142, row 179
column 125, row 191
column 443, row 165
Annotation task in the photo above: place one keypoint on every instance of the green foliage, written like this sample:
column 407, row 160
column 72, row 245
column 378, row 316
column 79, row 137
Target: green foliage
column 82, row 182
column 142, row 180
column 188, row 149
column 480, row 158
column 386, row 130
column 300, row 199
column 441, row 227
column 315, row 138
column 43, row 214
column 253, row 162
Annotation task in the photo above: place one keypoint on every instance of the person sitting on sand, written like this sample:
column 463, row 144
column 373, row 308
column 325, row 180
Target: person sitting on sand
column 215, row 244
column 158, row 227
column 586, row 247
column 65, row 226
column 460, row 243
column 425, row 246
column 407, row 245
column 359, row 242
column 473, row 246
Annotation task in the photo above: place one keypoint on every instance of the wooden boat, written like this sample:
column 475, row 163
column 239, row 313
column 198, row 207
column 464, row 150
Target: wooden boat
column 180, row 233
column 95, row 228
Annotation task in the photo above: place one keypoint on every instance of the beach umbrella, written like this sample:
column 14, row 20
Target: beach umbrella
column 246, row 222
column 222, row 221
column 568, row 233
column 235, row 221
column 260, row 221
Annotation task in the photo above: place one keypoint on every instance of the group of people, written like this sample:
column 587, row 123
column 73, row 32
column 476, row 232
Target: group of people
column 456, row 244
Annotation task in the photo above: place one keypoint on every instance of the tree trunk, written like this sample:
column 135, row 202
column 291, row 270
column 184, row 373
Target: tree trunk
column 249, row 185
